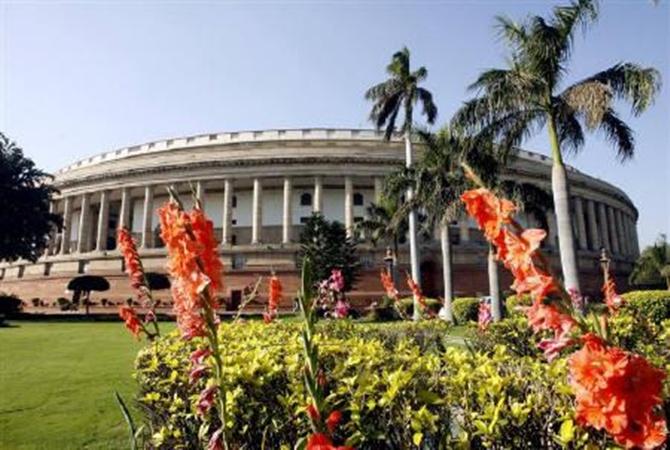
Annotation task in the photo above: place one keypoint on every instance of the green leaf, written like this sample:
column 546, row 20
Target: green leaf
column 417, row 438
column 129, row 420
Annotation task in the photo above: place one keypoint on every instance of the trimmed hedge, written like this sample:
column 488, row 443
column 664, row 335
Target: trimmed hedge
column 394, row 392
column 465, row 309
column 654, row 305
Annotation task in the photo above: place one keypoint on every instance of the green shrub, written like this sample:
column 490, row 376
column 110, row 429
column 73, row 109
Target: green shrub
column 514, row 333
column 433, row 305
column 514, row 302
column 393, row 393
column 466, row 309
column 9, row 304
column 654, row 305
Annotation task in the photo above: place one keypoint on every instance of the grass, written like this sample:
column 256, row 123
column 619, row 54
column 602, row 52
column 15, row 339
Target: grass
column 57, row 383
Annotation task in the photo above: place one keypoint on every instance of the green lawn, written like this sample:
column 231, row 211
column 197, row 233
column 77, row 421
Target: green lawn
column 57, row 383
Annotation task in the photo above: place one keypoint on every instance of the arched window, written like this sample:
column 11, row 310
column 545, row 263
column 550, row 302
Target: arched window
column 306, row 199
column 234, row 201
column 358, row 199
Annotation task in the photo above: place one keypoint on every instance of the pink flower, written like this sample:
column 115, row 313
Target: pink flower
column 215, row 440
column 199, row 356
column 206, row 400
column 336, row 281
column 485, row 317
column 196, row 373
column 341, row 309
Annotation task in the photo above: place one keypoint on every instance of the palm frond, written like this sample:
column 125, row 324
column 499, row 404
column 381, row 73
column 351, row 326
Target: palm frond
column 618, row 134
column 569, row 130
column 514, row 33
column 629, row 82
column 429, row 108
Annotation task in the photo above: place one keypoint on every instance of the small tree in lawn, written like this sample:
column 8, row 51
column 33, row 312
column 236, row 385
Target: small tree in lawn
column 653, row 265
column 25, row 222
column 328, row 247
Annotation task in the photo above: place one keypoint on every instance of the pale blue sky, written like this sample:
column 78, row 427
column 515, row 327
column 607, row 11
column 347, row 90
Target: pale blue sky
column 79, row 78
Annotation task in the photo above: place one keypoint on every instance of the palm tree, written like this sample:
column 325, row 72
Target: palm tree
column 401, row 92
column 515, row 102
column 438, row 181
column 383, row 224
column 653, row 263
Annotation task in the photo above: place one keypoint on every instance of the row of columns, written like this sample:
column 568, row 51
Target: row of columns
column 146, row 240
column 596, row 225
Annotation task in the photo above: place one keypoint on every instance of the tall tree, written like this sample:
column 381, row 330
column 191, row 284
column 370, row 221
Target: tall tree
column 528, row 95
column 381, row 223
column 25, row 222
column 653, row 265
column 398, row 95
column 328, row 247
column 438, row 181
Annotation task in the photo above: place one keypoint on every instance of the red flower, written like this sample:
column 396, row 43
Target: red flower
column 132, row 261
column 206, row 400
column 132, row 322
column 274, row 298
column 484, row 317
column 312, row 412
column 215, row 441
column 416, row 293
column 333, row 420
column 193, row 263
column 489, row 211
column 520, row 249
column 387, row 283
column 618, row 392
column 534, row 282
column 612, row 299
column 319, row 441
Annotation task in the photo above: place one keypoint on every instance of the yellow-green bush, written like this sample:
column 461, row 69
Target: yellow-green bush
column 465, row 309
column 654, row 305
column 394, row 393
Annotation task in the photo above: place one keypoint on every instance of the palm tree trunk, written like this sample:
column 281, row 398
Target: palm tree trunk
column 494, row 285
column 413, row 247
column 559, row 187
column 447, row 271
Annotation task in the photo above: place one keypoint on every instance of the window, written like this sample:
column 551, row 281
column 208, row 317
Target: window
column 358, row 219
column 358, row 199
column 304, row 219
column 234, row 201
column 239, row 261
column 306, row 199
column 233, row 239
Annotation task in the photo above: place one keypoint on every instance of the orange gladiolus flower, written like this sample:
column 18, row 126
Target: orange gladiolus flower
column 416, row 292
column 520, row 249
column 319, row 441
column 612, row 299
column 132, row 261
column 489, row 211
column 132, row 322
column 193, row 264
column 387, row 283
column 274, row 297
column 618, row 392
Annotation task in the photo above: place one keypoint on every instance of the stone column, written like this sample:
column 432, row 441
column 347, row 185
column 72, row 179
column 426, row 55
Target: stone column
column 82, row 235
column 349, row 206
column 593, row 224
column 317, row 200
column 67, row 222
column 636, row 241
column 257, row 212
column 379, row 189
column 464, row 230
column 124, row 212
column 147, row 218
column 103, row 222
column 581, row 224
column 201, row 193
column 227, row 222
column 604, row 232
column 53, row 237
column 621, row 232
column 614, row 232
column 553, row 229
column 287, row 219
